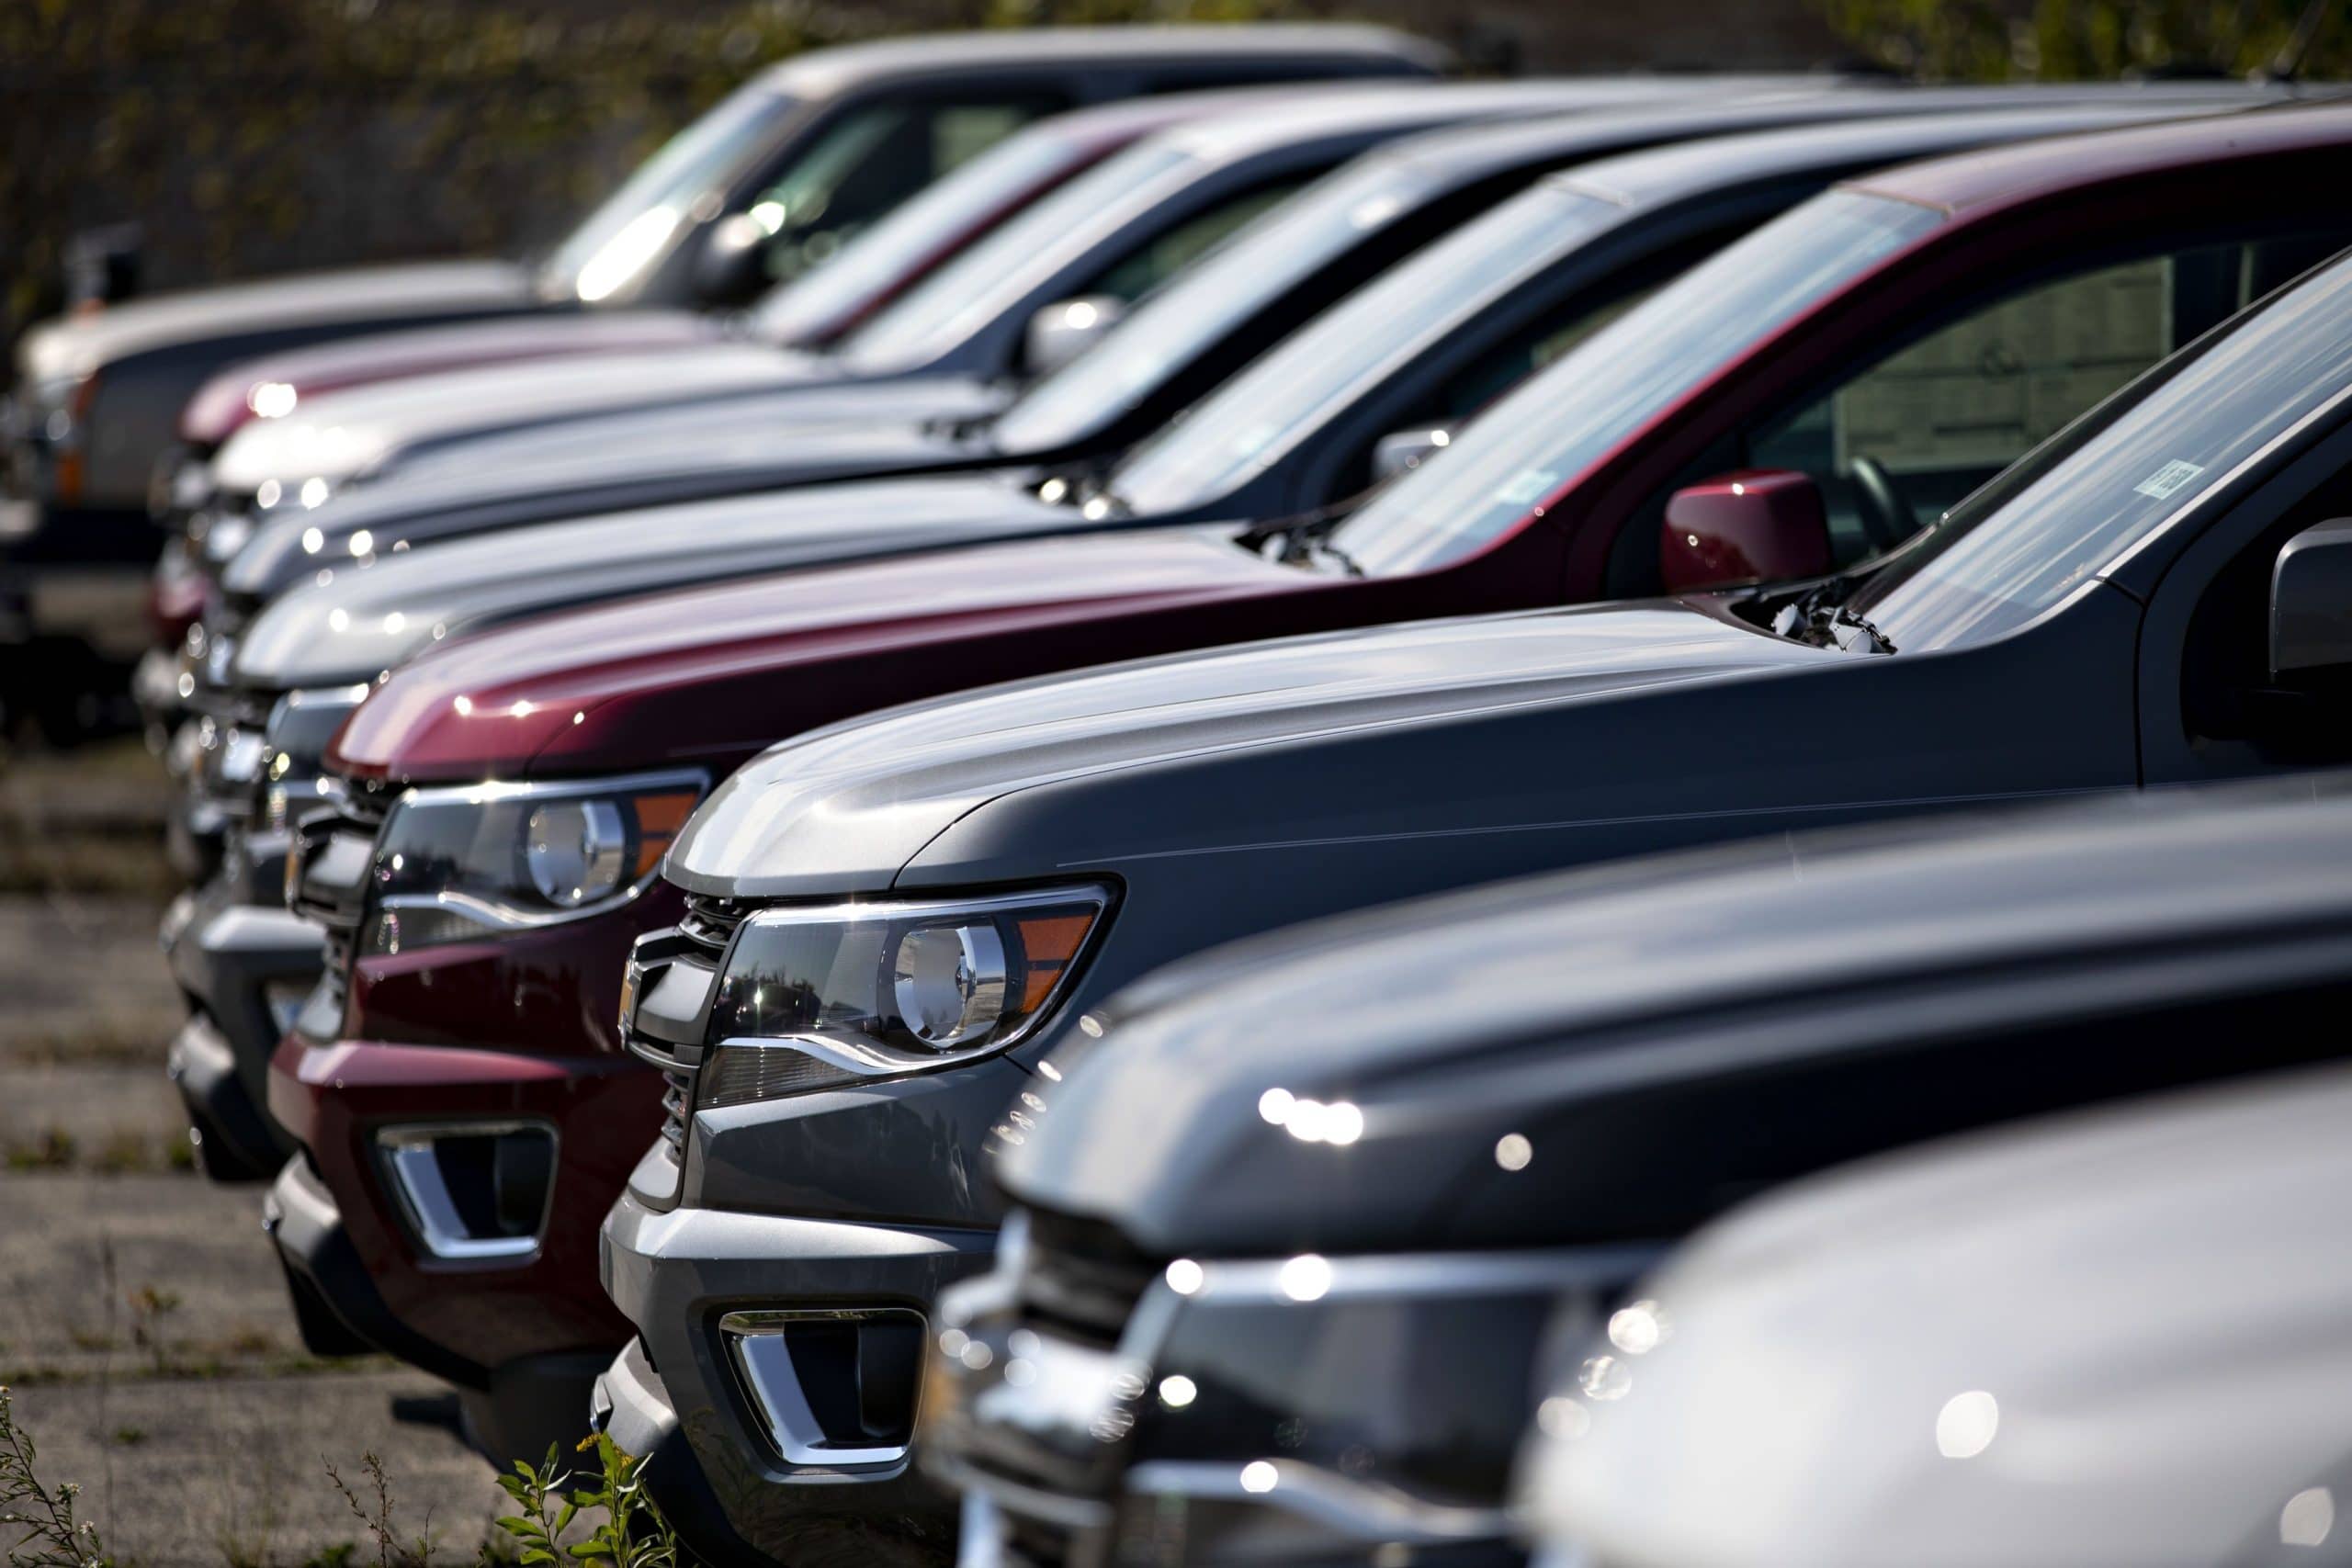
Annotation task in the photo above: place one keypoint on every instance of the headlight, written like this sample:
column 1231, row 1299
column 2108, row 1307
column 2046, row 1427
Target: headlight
column 576, row 850
column 300, row 725
column 459, row 864
column 178, row 486
column 224, row 535
column 58, row 402
column 811, row 996
column 61, row 410
column 234, row 764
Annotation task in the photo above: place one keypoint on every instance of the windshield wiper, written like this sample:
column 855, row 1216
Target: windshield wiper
column 1323, row 549
column 961, row 428
column 1095, row 499
column 1818, row 617
column 1305, row 540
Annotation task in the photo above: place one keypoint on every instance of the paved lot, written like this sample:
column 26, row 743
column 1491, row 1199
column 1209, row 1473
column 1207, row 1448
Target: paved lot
column 144, row 1325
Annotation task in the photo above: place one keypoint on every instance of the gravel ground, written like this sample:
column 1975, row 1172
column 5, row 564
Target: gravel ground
column 144, row 1330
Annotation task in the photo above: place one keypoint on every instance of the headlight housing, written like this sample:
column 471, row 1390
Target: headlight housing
column 460, row 864
column 59, row 415
column 814, row 997
column 299, row 727
column 59, row 402
column 223, row 533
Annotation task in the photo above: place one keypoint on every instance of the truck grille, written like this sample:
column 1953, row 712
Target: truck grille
column 710, row 923
column 1078, row 1282
column 1082, row 1277
column 700, row 937
column 359, row 814
column 677, row 1109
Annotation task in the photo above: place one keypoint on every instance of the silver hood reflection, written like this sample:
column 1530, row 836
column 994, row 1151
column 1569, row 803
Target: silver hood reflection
column 2124, row 1340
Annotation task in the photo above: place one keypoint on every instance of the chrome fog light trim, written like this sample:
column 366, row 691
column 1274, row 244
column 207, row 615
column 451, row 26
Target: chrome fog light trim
column 438, row 1223
column 756, row 1347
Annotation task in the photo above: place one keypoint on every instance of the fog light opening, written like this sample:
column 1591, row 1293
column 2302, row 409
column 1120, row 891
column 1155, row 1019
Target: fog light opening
column 833, row 1388
column 474, row 1192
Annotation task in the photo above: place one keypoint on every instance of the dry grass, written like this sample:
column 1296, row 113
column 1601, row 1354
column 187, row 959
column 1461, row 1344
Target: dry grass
column 125, row 1152
column 89, row 820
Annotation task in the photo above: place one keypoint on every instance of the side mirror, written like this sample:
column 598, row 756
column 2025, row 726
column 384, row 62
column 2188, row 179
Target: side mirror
column 2310, row 603
column 1402, row 451
column 733, row 267
column 1068, row 328
column 1758, row 524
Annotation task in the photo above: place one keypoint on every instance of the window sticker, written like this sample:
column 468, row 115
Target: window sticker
column 1528, row 486
column 2168, row 478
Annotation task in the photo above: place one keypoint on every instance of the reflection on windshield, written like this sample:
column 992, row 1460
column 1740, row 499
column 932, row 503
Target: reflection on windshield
column 2118, row 474
column 1208, row 299
column 885, row 258
column 987, row 279
column 1555, row 427
column 1250, row 421
column 608, row 251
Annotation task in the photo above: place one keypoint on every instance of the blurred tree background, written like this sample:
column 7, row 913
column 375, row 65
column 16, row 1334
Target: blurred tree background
column 258, row 136
column 1970, row 40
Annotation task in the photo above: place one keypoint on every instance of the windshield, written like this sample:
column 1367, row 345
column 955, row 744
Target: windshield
column 1555, row 427
column 917, row 236
column 1189, row 316
column 2118, row 474
column 622, row 237
column 1250, row 421
column 984, row 280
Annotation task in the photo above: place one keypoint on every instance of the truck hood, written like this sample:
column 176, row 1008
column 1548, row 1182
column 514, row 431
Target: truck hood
column 847, row 810
column 226, row 402
column 76, row 345
column 762, row 442
column 1557, row 1007
column 722, row 672
column 362, row 623
column 364, row 428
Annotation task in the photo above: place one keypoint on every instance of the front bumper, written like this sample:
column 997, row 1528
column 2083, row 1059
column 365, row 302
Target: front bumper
column 757, row 1450
column 1344, row 1411
column 335, row 1301
column 630, row 1405
column 513, row 1411
column 466, row 1305
column 237, row 962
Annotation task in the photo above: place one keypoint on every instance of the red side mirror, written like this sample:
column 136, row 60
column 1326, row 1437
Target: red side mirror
column 1756, row 524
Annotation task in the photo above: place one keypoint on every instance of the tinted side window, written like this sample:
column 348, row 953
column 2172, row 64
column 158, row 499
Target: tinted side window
column 1159, row 258
column 869, row 161
column 2225, row 660
column 1459, row 398
column 1941, row 416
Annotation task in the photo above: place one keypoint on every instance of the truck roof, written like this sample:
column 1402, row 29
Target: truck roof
column 829, row 72
column 2003, row 177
